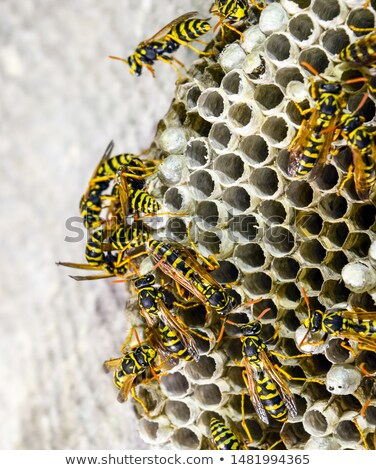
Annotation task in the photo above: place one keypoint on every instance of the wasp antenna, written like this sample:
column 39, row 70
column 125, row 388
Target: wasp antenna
column 306, row 299
column 303, row 340
column 362, row 103
column 137, row 337
column 263, row 313
column 117, row 58
column 311, row 69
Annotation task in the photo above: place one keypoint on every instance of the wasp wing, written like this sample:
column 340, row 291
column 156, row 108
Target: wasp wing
column 166, row 29
column 253, row 394
column 361, row 163
column 358, row 314
column 363, row 342
column 179, row 328
column 112, row 364
column 286, row 393
column 329, row 137
column 126, row 387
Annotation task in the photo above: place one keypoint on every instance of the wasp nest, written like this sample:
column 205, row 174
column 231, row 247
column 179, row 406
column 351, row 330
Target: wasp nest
column 224, row 142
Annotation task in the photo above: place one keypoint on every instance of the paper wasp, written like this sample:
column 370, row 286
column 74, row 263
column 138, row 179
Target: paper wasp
column 361, row 52
column 179, row 32
column 356, row 325
column 223, row 437
column 360, row 139
column 228, row 12
column 170, row 335
column 310, row 148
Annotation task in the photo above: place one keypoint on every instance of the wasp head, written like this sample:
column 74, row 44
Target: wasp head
column 252, row 328
column 314, row 321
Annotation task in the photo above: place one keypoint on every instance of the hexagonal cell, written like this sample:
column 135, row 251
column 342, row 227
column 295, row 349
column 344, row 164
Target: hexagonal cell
column 290, row 320
column 257, row 284
column 211, row 214
column 308, row 224
column 243, row 228
column 276, row 131
column 367, row 109
column 336, row 260
column 270, row 316
column 311, row 279
column 315, row 423
column 336, row 233
column 212, row 105
column 363, row 300
column 328, row 11
column 335, row 352
column 327, row 178
column 312, row 252
column 273, row 212
column 176, row 229
column 299, row 193
column 361, row 19
column 175, row 385
column 197, row 153
column 334, row 40
column 221, row 138
column 268, row 96
column 294, row 435
column 237, row 199
column 244, row 117
column 279, row 47
column 294, row 113
column 332, row 207
column 288, row 295
column 204, row 184
column 250, row 257
column 236, row 84
column 230, row 168
column 177, row 412
column 185, row 439
column 347, row 432
column 194, row 317
column 202, row 370
column 255, row 150
column 316, row 57
column 264, row 182
column 226, row 273
column 302, row 28
column 192, row 97
column 209, row 395
column 209, row 243
column 285, row 268
column 283, row 161
column 286, row 75
column 363, row 215
column 358, row 243
column 334, row 291
column 279, row 241
column 343, row 159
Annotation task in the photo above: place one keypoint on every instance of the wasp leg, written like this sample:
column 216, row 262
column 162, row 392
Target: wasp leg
column 141, row 402
column 184, row 43
column 290, row 377
column 348, row 177
column 366, row 446
column 244, row 424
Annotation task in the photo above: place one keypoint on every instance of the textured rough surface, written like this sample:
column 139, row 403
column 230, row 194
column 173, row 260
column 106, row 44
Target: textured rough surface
column 62, row 101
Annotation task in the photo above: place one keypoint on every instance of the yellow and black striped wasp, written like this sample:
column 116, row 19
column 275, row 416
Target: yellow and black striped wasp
column 133, row 364
column 180, row 265
column 223, row 437
column 361, row 52
column 179, row 32
column 361, row 141
column 268, row 390
column 228, row 12
column 169, row 334
column 310, row 148
column 357, row 325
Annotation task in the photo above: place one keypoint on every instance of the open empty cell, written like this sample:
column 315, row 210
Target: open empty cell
column 311, row 278
column 257, row 284
column 326, row 10
column 335, row 291
column 177, row 412
column 176, row 229
column 309, row 224
column 250, row 256
column 185, row 439
column 288, row 295
column 299, row 193
column 278, row 47
column 272, row 211
column 285, row 268
column 243, row 228
column 201, row 370
column 360, row 18
column 209, row 243
column 336, row 353
column 194, row 317
column 211, row 105
column 268, row 96
column 337, row 233
column 294, row 435
column 197, row 153
column 283, row 158
column 301, row 27
column 275, row 130
column 290, row 320
column 315, row 423
column 358, row 243
column 242, row 115
column 336, row 261
column 334, row 40
column 367, row 109
column 364, row 215
column 350, row 74
column 207, row 212
column 203, row 185
column 312, row 252
column 316, row 57
column 347, row 432
column 279, row 240
column 221, row 138
column 364, row 301
column 264, row 182
column 286, row 75
column 264, row 304
column 193, row 95
column 230, row 168
column 209, row 395
column 237, row 199
column 294, row 113
column 255, row 150
column 226, row 273
column 327, row 178
column 173, row 199
column 332, row 206
column 174, row 385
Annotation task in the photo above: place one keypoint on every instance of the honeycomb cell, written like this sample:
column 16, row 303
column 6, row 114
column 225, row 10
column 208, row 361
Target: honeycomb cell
column 312, row 252
column 277, row 131
column 185, row 438
column 361, row 19
column 336, row 233
column 294, row 435
column 238, row 199
column 347, row 433
column 269, row 98
column 264, row 182
column 299, row 193
column 178, row 199
column 222, row 139
column 212, row 105
column 332, row 207
column 281, row 48
column 211, row 214
column 303, row 29
column 336, row 260
column 257, row 284
column 363, row 215
column 192, row 97
column 197, row 153
column 279, row 241
column 243, row 228
column 317, row 58
column 327, row 178
column 336, row 352
column 226, row 273
column 308, row 224
column 311, row 279
column 288, row 295
column 207, row 369
column 273, row 212
column 255, row 150
column 285, row 268
column 237, row 86
column 181, row 413
column 176, row 229
column 329, row 13
column 334, row 40
column 175, row 385
column 333, row 292
column 211, row 395
column 244, row 117
column 230, row 169
column 249, row 257
column 204, row 185
column 358, row 244
column 273, row 18
column 268, row 317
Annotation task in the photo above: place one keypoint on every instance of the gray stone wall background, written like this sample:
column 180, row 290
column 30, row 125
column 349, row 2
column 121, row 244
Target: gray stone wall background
column 61, row 102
